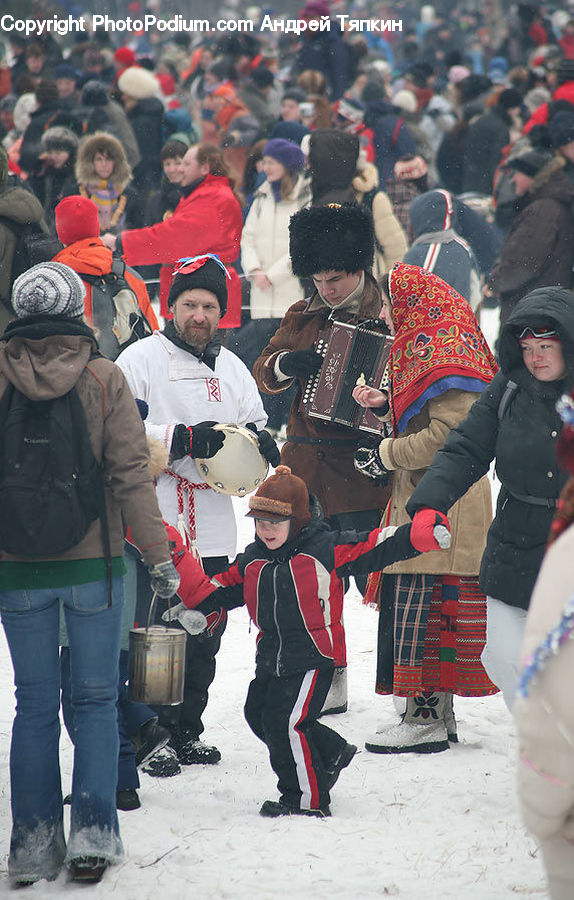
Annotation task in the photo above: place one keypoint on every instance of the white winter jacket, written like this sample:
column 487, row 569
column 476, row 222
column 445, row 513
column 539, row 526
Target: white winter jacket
column 265, row 245
column 179, row 389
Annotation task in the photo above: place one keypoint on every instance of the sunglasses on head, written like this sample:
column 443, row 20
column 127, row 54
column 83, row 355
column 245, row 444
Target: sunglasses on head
column 537, row 333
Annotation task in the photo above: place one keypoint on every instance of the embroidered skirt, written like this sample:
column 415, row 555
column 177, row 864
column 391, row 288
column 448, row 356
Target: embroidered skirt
column 432, row 629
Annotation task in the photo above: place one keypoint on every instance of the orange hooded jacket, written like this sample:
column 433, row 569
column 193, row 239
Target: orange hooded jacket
column 90, row 257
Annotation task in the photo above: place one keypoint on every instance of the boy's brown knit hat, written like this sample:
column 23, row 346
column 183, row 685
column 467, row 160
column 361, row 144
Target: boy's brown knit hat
column 282, row 496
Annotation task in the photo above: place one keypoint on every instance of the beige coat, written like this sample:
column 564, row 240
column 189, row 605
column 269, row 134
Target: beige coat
column 392, row 241
column 545, row 722
column 409, row 456
column 265, row 245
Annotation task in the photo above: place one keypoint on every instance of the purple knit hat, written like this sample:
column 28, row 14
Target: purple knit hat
column 286, row 152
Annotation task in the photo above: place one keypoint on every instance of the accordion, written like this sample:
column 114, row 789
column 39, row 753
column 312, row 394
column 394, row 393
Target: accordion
column 350, row 351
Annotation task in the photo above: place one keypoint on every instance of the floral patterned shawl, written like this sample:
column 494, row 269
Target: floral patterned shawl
column 438, row 343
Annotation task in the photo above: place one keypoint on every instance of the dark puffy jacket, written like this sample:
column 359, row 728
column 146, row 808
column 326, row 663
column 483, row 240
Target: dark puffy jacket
column 483, row 146
column 539, row 248
column 20, row 214
column 439, row 248
column 523, row 442
column 392, row 138
column 46, row 116
column 295, row 594
column 326, row 52
column 146, row 119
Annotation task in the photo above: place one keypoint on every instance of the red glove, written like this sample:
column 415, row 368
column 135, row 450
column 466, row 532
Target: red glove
column 194, row 584
column 422, row 529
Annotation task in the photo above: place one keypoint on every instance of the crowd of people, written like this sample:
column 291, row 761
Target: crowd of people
column 185, row 221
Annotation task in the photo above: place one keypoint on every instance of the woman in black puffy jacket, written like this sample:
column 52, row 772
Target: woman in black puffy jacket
column 515, row 423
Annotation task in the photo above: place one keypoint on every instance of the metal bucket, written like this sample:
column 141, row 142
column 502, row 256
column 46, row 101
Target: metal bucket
column 157, row 663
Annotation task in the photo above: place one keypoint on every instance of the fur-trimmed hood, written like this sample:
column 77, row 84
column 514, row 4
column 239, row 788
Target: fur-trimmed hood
column 366, row 179
column 103, row 143
column 557, row 164
column 158, row 457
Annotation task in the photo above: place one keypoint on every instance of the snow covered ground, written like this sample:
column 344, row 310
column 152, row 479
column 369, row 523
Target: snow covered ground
column 417, row 828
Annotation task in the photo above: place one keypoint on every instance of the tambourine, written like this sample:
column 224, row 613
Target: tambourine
column 238, row 468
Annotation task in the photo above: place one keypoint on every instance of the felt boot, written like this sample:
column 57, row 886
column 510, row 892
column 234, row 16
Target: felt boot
column 422, row 728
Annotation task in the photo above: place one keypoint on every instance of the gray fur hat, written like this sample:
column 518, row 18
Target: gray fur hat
column 60, row 138
column 49, row 289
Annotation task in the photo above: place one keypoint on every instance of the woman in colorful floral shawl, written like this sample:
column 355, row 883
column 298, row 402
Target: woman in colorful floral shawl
column 432, row 613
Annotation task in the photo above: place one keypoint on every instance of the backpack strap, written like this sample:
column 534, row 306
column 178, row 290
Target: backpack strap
column 118, row 267
column 396, row 131
column 509, row 392
column 77, row 403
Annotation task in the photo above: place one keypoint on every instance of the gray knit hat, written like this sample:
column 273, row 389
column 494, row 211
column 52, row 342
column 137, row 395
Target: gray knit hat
column 49, row 289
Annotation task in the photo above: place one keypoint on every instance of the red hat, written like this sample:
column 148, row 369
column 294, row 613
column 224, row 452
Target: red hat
column 166, row 83
column 125, row 56
column 76, row 219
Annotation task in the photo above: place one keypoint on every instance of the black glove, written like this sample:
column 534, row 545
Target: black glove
column 164, row 579
column 267, row 446
column 368, row 462
column 300, row 363
column 198, row 441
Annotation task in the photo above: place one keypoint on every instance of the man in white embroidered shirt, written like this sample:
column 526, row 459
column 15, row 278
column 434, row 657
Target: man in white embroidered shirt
column 190, row 383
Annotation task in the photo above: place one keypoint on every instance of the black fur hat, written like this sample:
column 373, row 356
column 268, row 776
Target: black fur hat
column 336, row 237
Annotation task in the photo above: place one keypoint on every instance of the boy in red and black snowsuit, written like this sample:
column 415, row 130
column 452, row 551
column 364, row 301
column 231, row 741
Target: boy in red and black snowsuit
column 291, row 580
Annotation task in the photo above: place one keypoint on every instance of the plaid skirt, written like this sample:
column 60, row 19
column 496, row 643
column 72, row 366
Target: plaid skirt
column 432, row 629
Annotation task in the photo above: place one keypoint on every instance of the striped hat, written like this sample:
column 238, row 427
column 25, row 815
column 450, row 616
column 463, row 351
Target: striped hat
column 49, row 289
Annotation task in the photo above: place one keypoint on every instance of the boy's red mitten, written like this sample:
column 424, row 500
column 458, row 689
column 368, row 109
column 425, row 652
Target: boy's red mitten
column 423, row 535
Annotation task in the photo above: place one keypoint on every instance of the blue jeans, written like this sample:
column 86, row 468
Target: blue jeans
column 30, row 620
column 127, row 771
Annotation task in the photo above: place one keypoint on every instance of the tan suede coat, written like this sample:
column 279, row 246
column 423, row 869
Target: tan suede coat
column 326, row 468
column 47, row 368
column 409, row 456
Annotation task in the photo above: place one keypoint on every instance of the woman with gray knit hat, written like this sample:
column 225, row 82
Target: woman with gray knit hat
column 53, row 561
column 265, row 254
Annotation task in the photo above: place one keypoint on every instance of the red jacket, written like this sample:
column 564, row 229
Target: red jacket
column 209, row 220
column 194, row 586
column 294, row 595
column 540, row 115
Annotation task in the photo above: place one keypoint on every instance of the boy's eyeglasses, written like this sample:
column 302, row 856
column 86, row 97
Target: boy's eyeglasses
column 271, row 521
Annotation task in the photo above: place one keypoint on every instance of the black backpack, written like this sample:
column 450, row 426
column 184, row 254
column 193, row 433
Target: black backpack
column 116, row 314
column 51, row 485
